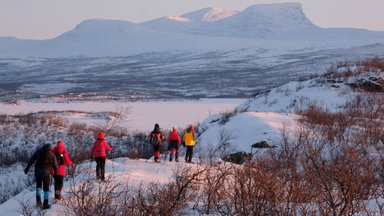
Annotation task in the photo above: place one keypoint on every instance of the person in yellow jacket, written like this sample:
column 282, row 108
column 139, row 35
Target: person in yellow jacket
column 189, row 141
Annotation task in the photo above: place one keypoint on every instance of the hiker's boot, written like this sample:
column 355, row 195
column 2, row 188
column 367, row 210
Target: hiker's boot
column 170, row 158
column 38, row 201
column 46, row 205
column 58, row 195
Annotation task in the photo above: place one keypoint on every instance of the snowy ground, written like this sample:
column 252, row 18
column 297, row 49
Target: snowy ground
column 260, row 118
column 121, row 170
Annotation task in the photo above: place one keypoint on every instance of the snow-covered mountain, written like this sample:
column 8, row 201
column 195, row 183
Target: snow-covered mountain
column 101, row 38
column 260, row 21
column 272, row 27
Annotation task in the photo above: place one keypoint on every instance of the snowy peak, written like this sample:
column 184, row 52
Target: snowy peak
column 178, row 19
column 190, row 20
column 263, row 20
column 211, row 14
column 285, row 15
column 257, row 21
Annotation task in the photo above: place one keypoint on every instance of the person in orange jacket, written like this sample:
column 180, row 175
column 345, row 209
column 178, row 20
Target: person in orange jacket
column 174, row 142
column 63, row 160
column 98, row 152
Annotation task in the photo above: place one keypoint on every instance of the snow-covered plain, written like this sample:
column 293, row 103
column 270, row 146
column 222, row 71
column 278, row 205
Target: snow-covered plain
column 142, row 116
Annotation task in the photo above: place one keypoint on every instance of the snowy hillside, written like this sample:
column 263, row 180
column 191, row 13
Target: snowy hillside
column 263, row 117
column 123, row 171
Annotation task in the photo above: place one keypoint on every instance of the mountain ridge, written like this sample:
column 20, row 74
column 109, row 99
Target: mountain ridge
column 209, row 29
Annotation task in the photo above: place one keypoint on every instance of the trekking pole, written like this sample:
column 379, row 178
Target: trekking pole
column 165, row 156
column 113, row 165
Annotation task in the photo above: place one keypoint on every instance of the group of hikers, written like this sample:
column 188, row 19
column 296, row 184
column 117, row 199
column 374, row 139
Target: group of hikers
column 48, row 161
column 157, row 138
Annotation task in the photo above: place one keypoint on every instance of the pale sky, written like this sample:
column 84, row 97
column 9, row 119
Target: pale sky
column 44, row 19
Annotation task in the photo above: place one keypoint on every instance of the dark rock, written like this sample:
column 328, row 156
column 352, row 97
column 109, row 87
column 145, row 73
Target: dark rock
column 371, row 84
column 262, row 144
column 238, row 157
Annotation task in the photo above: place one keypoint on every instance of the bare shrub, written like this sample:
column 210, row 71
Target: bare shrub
column 91, row 198
column 224, row 142
column 226, row 116
column 113, row 123
column 76, row 126
column 110, row 198
column 25, row 208
column 249, row 190
column 371, row 65
column 375, row 64
column 28, row 119
column 54, row 120
column 171, row 198
column 336, row 158
column 210, row 199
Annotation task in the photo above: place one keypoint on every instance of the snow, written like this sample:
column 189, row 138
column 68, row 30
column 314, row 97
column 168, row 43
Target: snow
column 261, row 118
column 210, row 14
column 246, row 34
column 121, row 170
column 264, row 117
column 293, row 95
column 249, row 128
column 143, row 114
column 178, row 19
column 260, row 21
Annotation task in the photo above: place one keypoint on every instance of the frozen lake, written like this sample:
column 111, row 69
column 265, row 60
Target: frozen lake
column 143, row 114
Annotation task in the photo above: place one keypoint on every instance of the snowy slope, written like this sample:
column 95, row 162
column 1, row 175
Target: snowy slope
column 121, row 170
column 245, row 129
column 263, row 117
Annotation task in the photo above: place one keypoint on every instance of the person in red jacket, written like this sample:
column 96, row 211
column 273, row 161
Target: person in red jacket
column 98, row 152
column 174, row 142
column 63, row 160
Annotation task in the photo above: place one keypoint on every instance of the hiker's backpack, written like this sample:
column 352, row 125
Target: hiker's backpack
column 43, row 160
column 60, row 158
column 156, row 139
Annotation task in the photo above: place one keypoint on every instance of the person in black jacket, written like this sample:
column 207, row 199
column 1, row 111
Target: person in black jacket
column 45, row 161
column 156, row 139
